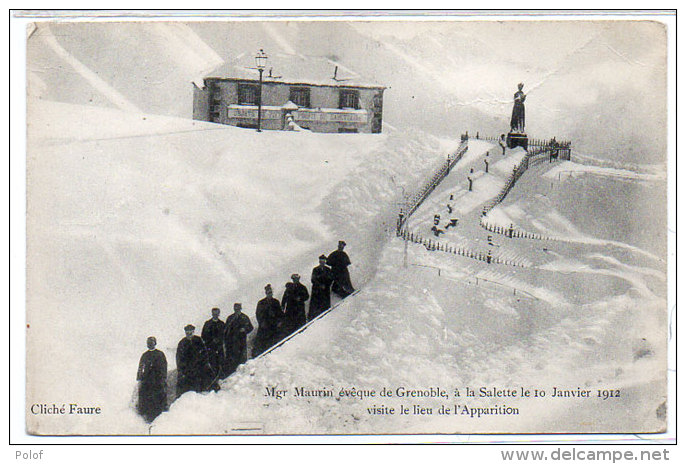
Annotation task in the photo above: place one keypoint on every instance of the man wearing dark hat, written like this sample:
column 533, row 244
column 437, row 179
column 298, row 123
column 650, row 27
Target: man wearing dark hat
column 293, row 304
column 269, row 316
column 322, row 278
column 339, row 262
column 213, row 336
column 152, row 382
column 192, row 363
column 236, row 331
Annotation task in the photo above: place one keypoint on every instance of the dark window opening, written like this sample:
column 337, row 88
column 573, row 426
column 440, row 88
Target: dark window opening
column 247, row 125
column 248, row 94
column 349, row 99
column 347, row 130
column 300, row 96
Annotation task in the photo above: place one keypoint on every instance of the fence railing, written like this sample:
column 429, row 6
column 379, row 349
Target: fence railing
column 511, row 180
column 549, row 151
column 532, row 142
column 414, row 202
column 433, row 245
column 511, row 232
column 539, row 151
column 534, row 156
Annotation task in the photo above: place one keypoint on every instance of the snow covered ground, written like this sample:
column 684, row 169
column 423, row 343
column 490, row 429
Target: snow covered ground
column 124, row 245
column 141, row 225
column 138, row 225
column 586, row 316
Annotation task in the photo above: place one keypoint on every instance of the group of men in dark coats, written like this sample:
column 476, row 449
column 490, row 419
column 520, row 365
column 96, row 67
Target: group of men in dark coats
column 278, row 320
column 202, row 361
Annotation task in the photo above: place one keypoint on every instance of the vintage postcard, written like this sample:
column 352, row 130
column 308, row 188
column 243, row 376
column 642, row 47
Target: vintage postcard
column 342, row 226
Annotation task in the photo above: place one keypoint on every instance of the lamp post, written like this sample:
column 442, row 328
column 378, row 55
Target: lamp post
column 261, row 63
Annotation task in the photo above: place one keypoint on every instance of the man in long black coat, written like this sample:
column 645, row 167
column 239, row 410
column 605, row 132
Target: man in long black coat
column 236, row 331
column 152, row 382
column 322, row 278
column 293, row 303
column 339, row 262
column 194, row 372
column 269, row 317
column 213, row 336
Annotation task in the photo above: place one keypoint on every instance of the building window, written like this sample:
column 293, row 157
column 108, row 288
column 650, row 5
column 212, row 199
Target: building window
column 347, row 130
column 215, row 112
column 248, row 94
column 247, row 125
column 300, row 96
column 349, row 99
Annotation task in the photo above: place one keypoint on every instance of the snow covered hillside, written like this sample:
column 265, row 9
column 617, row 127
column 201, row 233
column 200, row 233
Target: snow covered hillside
column 139, row 220
column 582, row 314
column 582, row 77
column 138, row 225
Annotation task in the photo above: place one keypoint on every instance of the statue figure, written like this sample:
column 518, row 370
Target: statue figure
column 517, row 121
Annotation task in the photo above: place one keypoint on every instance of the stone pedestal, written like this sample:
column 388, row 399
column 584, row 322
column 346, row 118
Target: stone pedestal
column 515, row 139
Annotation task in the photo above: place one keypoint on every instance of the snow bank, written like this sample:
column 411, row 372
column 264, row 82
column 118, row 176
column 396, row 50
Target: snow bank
column 141, row 225
column 414, row 329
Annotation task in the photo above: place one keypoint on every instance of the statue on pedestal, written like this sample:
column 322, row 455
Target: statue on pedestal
column 517, row 137
column 517, row 121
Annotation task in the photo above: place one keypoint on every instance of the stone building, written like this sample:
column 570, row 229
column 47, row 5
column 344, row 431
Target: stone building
column 317, row 94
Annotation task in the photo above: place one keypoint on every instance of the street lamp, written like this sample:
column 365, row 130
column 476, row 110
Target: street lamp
column 261, row 63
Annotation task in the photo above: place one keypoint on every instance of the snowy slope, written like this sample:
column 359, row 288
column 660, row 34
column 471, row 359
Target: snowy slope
column 138, row 225
column 583, row 316
column 124, row 245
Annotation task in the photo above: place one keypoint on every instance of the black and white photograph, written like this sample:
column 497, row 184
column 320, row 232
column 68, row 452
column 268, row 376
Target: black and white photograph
column 339, row 225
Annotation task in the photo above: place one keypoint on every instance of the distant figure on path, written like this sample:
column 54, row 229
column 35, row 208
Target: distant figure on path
column 437, row 232
column 194, row 372
column 152, row 382
column 502, row 143
column 554, row 150
column 339, row 262
column 293, row 304
column 322, row 278
column 269, row 317
column 236, row 331
column 213, row 336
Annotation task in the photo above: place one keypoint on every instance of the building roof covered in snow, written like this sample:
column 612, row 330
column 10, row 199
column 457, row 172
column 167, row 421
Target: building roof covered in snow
column 293, row 69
